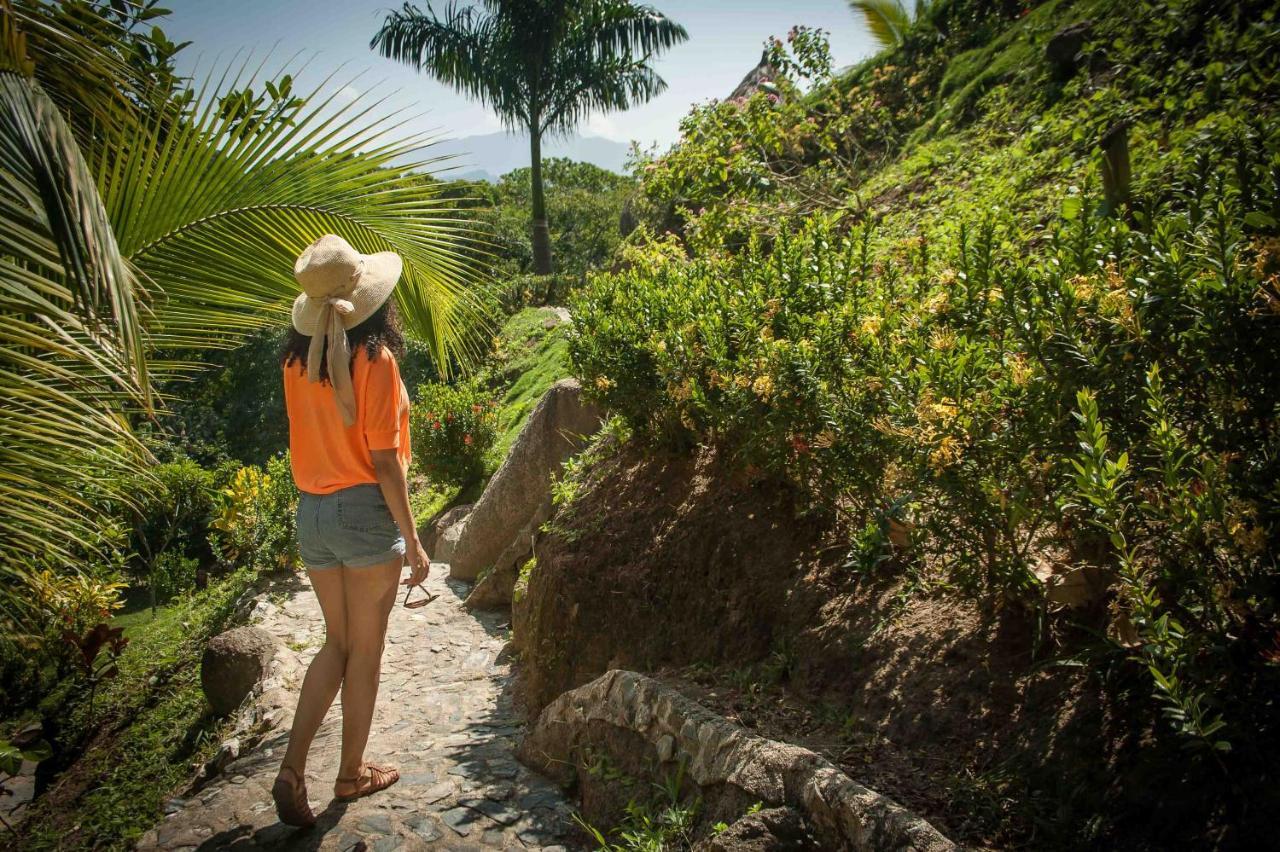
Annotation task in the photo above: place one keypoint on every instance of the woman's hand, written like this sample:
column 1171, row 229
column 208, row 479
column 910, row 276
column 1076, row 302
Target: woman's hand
column 419, row 563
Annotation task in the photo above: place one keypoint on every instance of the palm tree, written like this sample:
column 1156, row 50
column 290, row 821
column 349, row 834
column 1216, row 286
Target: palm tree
column 889, row 20
column 163, row 224
column 541, row 65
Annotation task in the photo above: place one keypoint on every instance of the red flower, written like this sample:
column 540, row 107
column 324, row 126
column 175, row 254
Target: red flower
column 800, row 444
column 466, row 439
column 435, row 424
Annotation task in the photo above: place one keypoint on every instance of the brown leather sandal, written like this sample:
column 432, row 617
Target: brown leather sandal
column 371, row 779
column 290, row 797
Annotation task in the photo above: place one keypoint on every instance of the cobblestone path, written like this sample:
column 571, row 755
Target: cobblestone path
column 444, row 718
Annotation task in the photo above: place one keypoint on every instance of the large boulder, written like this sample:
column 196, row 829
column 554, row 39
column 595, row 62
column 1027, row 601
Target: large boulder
column 648, row 731
column 436, row 536
column 559, row 426
column 496, row 587
column 233, row 664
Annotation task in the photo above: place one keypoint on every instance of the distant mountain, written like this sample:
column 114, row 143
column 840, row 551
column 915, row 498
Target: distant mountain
column 491, row 155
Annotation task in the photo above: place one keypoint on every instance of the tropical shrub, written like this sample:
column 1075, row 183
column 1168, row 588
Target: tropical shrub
column 171, row 508
column 68, row 603
column 453, row 426
column 256, row 524
column 1104, row 401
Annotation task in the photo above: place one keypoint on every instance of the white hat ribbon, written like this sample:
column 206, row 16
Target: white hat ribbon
column 339, row 355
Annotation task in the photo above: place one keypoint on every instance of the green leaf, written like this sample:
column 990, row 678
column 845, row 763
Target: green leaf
column 1258, row 219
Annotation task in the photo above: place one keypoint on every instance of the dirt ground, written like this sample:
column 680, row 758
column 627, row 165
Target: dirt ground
column 725, row 583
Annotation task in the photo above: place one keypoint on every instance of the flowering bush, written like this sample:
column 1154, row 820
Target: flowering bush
column 936, row 390
column 453, row 426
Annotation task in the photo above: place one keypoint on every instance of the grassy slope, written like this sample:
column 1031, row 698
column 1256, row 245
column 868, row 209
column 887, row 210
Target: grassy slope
column 152, row 724
column 528, row 359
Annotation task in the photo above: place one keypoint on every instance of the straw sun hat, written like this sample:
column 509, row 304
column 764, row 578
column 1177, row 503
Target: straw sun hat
column 341, row 288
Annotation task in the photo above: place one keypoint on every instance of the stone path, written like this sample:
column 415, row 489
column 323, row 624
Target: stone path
column 444, row 717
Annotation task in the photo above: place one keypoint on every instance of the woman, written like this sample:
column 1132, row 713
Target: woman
column 349, row 443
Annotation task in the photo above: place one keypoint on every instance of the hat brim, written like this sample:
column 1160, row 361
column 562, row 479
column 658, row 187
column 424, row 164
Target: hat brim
column 381, row 273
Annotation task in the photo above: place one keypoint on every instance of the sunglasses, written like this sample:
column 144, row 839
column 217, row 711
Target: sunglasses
column 418, row 604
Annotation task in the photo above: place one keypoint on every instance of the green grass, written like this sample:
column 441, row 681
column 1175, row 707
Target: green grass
column 150, row 724
column 530, row 360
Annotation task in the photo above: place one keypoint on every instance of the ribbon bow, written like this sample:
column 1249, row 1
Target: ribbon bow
column 339, row 350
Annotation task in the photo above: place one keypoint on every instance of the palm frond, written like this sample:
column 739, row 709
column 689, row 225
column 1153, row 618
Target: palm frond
column 888, row 20
column 213, row 214
column 72, row 336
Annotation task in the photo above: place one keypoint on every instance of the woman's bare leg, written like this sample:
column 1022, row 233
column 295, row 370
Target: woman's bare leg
column 370, row 594
column 324, row 675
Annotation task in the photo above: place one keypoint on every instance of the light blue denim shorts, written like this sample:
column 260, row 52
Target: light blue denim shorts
column 351, row 527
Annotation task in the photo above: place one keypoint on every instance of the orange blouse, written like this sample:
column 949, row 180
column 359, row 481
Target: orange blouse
column 328, row 456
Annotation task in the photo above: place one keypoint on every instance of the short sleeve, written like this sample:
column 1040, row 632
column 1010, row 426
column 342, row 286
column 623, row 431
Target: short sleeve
column 381, row 404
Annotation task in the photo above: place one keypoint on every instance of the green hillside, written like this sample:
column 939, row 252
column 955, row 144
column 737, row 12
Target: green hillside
column 1007, row 307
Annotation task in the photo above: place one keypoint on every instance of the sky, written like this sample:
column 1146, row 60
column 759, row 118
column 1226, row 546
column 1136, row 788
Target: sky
column 725, row 41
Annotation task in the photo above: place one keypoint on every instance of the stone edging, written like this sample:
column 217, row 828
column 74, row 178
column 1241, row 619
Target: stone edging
column 716, row 751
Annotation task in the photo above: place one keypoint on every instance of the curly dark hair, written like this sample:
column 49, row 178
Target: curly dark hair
column 379, row 330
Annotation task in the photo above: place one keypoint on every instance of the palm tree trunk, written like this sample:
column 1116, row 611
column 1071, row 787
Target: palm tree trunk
column 541, row 233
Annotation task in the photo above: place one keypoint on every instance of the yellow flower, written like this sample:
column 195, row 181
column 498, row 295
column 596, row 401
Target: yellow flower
column 766, row 333
column 871, row 325
column 937, row 302
column 1083, row 287
column 942, row 339
column 742, row 381
column 763, row 386
column 1020, row 371
column 603, row 383
column 945, row 454
column 824, row 439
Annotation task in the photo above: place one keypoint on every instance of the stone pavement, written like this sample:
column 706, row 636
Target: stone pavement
column 444, row 718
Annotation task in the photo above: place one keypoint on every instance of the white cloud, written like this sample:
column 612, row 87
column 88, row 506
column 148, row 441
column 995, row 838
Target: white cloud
column 602, row 125
column 348, row 93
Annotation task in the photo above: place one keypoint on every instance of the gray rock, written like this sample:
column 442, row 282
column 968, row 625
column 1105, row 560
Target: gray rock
column 1062, row 51
column 425, row 827
column 461, row 820
column 233, row 664
column 375, row 824
column 726, row 762
column 495, row 588
column 558, row 427
column 439, row 546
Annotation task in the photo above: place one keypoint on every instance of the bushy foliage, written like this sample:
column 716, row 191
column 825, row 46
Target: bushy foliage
column 256, row 524
column 938, row 382
column 68, row 604
column 453, row 427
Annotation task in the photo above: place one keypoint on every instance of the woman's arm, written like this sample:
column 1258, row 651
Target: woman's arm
column 386, row 467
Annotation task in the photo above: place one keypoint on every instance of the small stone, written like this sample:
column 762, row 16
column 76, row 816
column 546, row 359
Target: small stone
column 425, row 827
column 440, row 791
column 666, row 747
column 495, row 811
column 375, row 824
column 460, row 820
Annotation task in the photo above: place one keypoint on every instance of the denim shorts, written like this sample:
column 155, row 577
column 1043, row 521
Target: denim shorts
column 351, row 527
